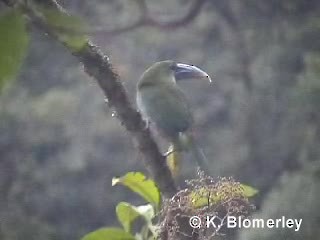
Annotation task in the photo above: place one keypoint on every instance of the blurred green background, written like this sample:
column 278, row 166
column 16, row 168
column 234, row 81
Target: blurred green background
column 259, row 121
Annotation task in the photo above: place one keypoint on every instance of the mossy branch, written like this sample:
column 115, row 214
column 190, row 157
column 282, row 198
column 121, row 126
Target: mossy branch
column 98, row 66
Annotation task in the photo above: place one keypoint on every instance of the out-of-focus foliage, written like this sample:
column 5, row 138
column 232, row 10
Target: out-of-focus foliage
column 70, row 29
column 248, row 190
column 259, row 122
column 295, row 196
column 308, row 94
column 13, row 44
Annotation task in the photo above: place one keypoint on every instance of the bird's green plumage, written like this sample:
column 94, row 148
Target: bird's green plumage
column 167, row 108
column 162, row 102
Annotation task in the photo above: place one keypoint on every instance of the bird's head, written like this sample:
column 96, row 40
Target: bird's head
column 168, row 72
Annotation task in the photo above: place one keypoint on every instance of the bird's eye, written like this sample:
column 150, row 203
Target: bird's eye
column 173, row 66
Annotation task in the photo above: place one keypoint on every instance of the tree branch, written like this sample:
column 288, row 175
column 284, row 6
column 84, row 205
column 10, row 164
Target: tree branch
column 98, row 66
column 146, row 19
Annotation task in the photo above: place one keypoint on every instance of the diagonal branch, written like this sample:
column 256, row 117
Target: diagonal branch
column 98, row 66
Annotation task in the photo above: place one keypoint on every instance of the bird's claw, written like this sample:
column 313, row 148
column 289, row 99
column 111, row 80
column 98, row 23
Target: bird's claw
column 147, row 124
column 169, row 152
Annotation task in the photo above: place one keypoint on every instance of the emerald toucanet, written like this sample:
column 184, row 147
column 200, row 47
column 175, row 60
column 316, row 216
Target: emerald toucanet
column 162, row 102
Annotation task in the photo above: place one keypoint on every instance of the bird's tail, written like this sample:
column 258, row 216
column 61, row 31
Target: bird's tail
column 199, row 156
column 188, row 143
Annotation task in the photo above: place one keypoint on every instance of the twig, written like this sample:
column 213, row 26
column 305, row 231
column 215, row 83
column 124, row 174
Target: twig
column 146, row 19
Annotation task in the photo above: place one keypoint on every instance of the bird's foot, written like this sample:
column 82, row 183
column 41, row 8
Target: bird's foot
column 172, row 149
column 169, row 152
column 147, row 124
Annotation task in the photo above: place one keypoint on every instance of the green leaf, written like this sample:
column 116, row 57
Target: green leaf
column 138, row 183
column 70, row 29
column 249, row 191
column 146, row 211
column 127, row 213
column 109, row 233
column 14, row 41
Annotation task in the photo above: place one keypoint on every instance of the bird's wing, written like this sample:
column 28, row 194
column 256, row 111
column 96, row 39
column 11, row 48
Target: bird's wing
column 168, row 108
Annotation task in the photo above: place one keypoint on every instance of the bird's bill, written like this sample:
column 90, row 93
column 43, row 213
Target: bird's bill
column 185, row 71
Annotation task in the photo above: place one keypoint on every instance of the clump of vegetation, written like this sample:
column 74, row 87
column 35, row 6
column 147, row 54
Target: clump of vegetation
column 211, row 201
column 203, row 196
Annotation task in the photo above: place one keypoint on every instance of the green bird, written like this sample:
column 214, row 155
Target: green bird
column 162, row 102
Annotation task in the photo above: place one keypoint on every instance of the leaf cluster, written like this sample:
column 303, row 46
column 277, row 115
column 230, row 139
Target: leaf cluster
column 204, row 196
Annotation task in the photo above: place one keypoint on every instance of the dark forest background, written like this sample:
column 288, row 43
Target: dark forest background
column 60, row 144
